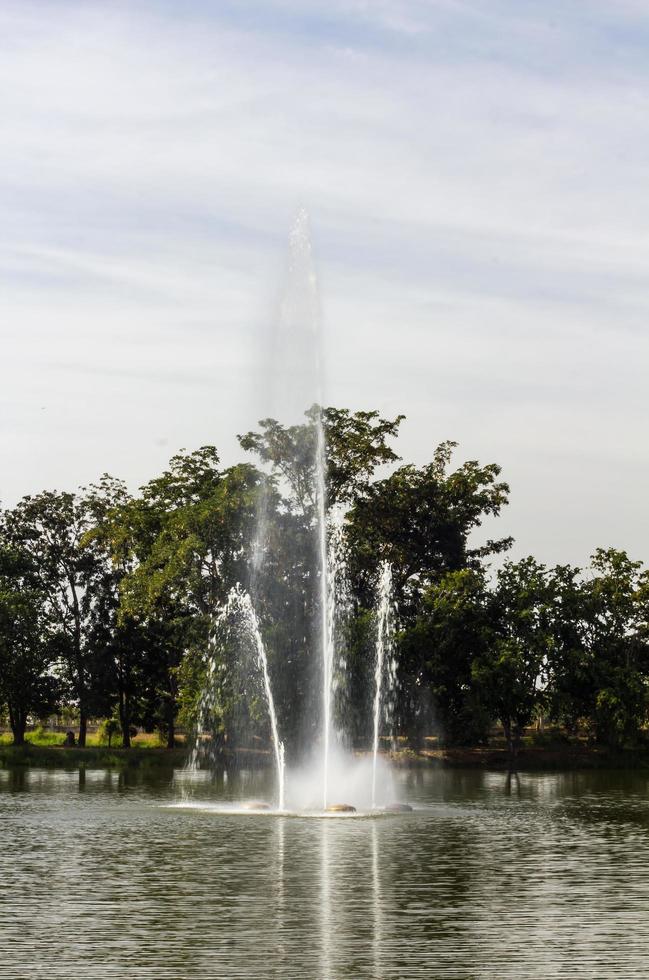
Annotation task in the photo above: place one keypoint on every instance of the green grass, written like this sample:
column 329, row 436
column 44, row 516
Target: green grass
column 49, row 756
column 44, row 739
column 45, row 748
column 37, row 737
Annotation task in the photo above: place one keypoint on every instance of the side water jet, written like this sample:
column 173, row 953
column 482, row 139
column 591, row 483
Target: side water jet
column 240, row 606
column 334, row 601
column 384, row 666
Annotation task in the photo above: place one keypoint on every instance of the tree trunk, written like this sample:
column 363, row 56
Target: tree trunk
column 511, row 745
column 171, row 734
column 78, row 662
column 125, row 719
column 170, row 709
column 171, row 726
column 18, row 722
column 83, row 727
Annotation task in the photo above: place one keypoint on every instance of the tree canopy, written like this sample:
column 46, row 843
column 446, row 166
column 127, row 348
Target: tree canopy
column 108, row 599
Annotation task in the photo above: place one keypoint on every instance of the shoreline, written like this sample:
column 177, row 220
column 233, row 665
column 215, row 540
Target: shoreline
column 529, row 759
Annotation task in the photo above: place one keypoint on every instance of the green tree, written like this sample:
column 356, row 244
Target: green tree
column 510, row 674
column 50, row 529
column 616, row 613
column 27, row 685
column 181, row 545
column 450, row 631
column 572, row 684
column 356, row 444
column 286, row 585
column 420, row 520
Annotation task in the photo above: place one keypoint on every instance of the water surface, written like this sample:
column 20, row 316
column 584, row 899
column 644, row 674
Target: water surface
column 100, row 878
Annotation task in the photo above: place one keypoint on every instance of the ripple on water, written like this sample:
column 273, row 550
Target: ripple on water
column 104, row 876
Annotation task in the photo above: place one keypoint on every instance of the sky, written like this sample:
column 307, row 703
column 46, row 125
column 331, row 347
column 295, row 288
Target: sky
column 476, row 177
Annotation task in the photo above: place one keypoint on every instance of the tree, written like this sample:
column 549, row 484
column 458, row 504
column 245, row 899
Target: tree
column 571, row 678
column 286, row 585
column 510, row 673
column 616, row 614
column 436, row 652
column 202, row 541
column 27, row 685
column 182, row 545
column 420, row 519
column 355, row 445
column 50, row 529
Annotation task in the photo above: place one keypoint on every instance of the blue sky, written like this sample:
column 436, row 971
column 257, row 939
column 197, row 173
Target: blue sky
column 476, row 177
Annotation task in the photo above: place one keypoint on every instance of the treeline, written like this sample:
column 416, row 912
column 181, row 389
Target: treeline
column 107, row 600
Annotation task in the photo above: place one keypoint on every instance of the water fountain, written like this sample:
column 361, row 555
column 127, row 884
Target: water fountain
column 384, row 664
column 239, row 605
column 341, row 775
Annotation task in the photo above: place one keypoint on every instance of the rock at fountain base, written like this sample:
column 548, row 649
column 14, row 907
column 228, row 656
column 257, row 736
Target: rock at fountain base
column 398, row 808
column 340, row 808
column 256, row 806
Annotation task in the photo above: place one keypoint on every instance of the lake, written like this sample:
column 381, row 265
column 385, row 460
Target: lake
column 101, row 878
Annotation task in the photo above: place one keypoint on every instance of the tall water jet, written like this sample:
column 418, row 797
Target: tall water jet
column 292, row 380
column 302, row 368
column 290, row 375
column 304, row 302
column 384, row 664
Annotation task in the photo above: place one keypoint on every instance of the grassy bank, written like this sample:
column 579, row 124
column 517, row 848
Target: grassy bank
column 44, row 738
column 536, row 758
column 98, row 756
column 45, row 749
column 144, row 753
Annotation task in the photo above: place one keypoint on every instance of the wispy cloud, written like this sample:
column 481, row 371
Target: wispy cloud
column 476, row 178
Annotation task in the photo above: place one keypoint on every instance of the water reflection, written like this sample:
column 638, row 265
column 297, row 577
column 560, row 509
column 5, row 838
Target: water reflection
column 325, row 900
column 18, row 780
column 544, row 877
column 376, row 901
column 512, row 784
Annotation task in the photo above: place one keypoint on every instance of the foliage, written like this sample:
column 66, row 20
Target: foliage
column 108, row 600
column 49, row 529
column 510, row 671
column 27, row 685
column 355, row 445
column 420, row 520
column 450, row 631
